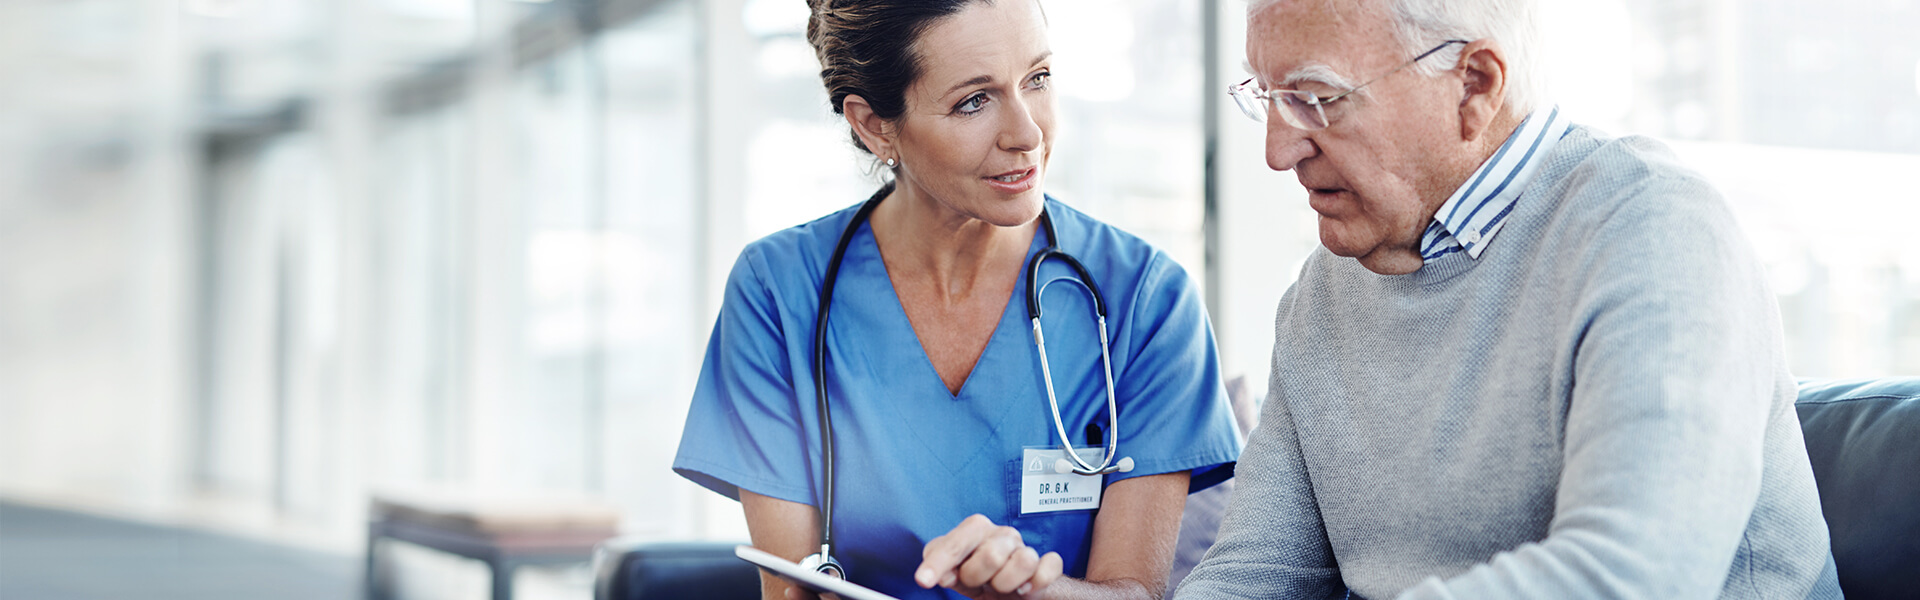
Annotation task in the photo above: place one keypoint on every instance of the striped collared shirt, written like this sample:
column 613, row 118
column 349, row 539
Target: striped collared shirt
column 1469, row 219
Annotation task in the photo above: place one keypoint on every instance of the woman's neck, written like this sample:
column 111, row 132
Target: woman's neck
column 926, row 243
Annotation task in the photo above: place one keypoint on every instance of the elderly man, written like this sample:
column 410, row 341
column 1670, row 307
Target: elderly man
column 1531, row 360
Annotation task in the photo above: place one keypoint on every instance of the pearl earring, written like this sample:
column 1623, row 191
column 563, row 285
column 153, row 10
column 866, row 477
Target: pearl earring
column 890, row 163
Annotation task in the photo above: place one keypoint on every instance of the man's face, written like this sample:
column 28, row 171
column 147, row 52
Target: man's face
column 1389, row 155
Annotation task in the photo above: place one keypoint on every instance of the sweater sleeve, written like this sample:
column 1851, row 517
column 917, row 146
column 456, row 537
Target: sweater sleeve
column 1675, row 362
column 1272, row 541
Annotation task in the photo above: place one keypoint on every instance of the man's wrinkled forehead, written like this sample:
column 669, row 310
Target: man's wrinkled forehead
column 1298, row 40
column 1310, row 13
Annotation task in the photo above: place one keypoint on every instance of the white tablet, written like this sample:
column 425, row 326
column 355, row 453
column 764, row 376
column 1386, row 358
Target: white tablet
column 807, row 578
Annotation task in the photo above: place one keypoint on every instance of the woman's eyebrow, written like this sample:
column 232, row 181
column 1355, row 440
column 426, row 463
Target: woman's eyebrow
column 977, row 80
column 980, row 79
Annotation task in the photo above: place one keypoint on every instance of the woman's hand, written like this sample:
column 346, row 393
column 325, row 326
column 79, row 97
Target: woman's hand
column 986, row 561
column 795, row 593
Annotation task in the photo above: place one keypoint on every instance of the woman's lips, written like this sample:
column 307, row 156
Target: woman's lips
column 1013, row 182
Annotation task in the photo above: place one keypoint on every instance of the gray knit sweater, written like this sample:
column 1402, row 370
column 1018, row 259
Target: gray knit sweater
column 1597, row 407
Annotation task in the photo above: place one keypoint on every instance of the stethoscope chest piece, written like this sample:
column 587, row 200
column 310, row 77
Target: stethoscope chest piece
column 824, row 563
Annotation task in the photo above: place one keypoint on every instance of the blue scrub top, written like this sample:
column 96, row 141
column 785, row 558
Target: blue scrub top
column 914, row 459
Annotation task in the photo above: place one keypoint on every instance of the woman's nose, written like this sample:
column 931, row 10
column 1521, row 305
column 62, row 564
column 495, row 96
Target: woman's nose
column 1022, row 131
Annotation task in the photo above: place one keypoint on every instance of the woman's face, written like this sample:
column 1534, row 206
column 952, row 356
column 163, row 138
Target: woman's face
column 978, row 127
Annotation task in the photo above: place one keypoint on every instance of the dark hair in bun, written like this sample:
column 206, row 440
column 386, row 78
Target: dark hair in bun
column 866, row 48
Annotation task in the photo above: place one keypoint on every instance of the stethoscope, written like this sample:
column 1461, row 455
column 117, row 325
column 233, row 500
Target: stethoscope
column 824, row 561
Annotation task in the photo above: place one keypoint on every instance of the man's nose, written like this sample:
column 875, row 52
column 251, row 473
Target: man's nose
column 1287, row 145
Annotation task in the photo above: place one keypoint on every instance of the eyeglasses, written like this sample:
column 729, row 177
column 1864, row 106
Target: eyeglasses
column 1303, row 109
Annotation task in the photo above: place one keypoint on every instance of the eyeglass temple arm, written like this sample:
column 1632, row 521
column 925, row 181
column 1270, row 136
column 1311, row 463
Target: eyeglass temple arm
column 1416, row 60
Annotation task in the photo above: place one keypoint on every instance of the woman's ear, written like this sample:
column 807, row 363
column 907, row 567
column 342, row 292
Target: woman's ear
column 874, row 131
column 1483, row 71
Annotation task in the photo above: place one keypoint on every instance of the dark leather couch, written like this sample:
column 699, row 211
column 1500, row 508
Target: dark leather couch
column 627, row 570
column 1863, row 439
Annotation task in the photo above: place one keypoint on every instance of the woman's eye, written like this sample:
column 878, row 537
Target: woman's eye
column 972, row 104
column 1040, row 80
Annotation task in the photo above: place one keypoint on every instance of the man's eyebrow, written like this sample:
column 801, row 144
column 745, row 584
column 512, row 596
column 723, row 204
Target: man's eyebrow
column 979, row 79
column 1316, row 73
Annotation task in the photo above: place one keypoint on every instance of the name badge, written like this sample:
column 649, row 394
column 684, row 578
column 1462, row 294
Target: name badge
column 1043, row 490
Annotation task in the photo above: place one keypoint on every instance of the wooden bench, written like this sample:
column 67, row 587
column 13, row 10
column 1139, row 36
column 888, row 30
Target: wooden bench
column 505, row 531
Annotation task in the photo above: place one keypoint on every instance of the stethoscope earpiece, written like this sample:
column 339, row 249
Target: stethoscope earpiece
column 1064, row 466
column 1079, row 466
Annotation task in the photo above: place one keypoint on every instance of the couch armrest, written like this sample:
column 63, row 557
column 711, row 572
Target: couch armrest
column 1863, row 440
column 625, row 569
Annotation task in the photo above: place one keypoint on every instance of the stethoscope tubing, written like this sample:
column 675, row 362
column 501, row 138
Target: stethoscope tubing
column 1080, row 466
column 1085, row 279
column 820, row 368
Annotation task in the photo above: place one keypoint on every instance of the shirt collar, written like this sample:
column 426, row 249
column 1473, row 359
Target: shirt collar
column 1478, row 209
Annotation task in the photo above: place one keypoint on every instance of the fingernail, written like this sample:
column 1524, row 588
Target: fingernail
column 924, row 577
column 1024, row 588
column 948, row 581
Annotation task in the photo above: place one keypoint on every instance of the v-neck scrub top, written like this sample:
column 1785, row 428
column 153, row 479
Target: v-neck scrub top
column 915, row 459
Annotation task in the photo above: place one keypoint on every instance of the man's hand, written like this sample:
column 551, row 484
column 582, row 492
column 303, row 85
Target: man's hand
column 986, row 561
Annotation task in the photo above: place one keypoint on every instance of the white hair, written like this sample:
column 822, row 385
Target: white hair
column 1422, row 24
column 1321, row 74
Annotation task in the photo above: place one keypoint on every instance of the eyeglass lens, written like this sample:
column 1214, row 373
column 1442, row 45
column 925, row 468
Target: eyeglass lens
column 1298, row 108
column 1302, row 109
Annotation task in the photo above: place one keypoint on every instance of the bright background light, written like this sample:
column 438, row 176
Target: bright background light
column 263, row 256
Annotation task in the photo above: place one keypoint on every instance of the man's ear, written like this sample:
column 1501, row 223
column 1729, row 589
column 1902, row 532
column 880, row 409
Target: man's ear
column 875, row 132
column 1483, row 72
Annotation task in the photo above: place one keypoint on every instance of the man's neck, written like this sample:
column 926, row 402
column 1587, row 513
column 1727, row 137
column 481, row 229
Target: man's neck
column 1404, row 258
column 1473, row 155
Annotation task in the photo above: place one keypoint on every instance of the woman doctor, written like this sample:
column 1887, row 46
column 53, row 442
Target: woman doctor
column 937, row 396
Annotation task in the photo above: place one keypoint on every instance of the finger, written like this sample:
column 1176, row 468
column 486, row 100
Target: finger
column 1048, row 571
column 941, row 555
column 795, row 592
column 1018, row 571
column 990, row 556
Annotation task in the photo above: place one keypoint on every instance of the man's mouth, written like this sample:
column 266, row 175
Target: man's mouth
column 1327, row 201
